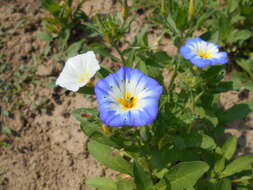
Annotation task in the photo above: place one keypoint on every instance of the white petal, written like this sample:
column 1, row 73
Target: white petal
column 75, row 67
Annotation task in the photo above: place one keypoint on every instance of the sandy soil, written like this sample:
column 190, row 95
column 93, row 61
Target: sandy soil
column 48, row 150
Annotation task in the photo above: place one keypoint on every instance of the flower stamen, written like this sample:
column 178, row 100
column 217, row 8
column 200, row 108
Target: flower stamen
column 205, row 55
column 83, row 77
column 128, row 101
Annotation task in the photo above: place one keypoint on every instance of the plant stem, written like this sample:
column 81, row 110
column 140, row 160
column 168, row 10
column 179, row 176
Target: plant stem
column 120, row 53
column 172, row 81
column 145, row 156
column 242, row 179
column 162, row 7
column 193, row 108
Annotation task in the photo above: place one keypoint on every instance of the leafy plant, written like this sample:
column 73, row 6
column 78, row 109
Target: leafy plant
column 63, row 27
column 181, row 148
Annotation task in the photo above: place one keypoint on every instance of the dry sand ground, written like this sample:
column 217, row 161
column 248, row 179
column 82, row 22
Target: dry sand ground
column 48, row 151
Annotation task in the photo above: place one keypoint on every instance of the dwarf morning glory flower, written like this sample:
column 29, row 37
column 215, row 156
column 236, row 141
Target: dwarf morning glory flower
column 78, row 71
column 202, row 53
column 128, row 98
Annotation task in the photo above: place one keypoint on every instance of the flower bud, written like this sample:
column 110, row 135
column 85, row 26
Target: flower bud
column 191, row 9
column 195, row 68
column 106, row 130
column 124, row 12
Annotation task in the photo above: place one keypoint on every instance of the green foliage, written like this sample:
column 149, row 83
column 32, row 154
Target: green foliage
column 142, row 179
column 61, row 27
column 182, row 149
column 236, row 112
column 109, row 158
column 102, row 183
column 108, row 184
column 229, row 147
column 13, row 83
column 238, row 165
column 185, row 175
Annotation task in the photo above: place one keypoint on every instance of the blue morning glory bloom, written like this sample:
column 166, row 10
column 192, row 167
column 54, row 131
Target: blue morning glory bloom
column 202, row 53
column 128, row 98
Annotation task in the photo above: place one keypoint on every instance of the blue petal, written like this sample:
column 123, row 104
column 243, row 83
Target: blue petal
column 223, row 59
column 151, row 85
column 200, row 62
column 141, row 118
column 193, row 41
column 133, row 117
column 120, row 74
column 186, row 52
column 134, row 74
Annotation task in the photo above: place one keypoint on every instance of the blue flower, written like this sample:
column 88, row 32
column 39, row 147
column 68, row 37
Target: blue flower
column 202, row 53
column 128, row 98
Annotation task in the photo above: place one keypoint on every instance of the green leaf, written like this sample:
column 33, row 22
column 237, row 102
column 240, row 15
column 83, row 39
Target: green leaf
column 4, row 144
column 239, row 35
column 229, row 147
column 102, row 183
column 185, row 174
column 232, row 5
column 237, row 112
column 205, row 114
column 86, row 90
column 224, row 184
column 223, row 86
column 5, row 130
column 124, row 184
column 238, row 165
column 142, row 66
column 161, row 185
column 141, row 39
column 142, row 179
column 44, row 36
column 219, row 165
column 215, row 37
column 241, row 81
column 162, row 158
column 91, row 125
column 85, row 114
column 104, row 71
column 246, row 65
column 63, row 39
column 74, row 48
column 105, row 155
column 103, row 51
column 198, row 140
column 172, row 25
column 159, row 59
column 130, row 57
column 93, row 131
column 51, row 6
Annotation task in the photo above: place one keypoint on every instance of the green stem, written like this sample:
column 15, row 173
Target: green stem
column 190, row 127
column 120, row 53
column 242, row 179
column 193, row 109
column 139, row 141
column 172, row 81
column 163, row 8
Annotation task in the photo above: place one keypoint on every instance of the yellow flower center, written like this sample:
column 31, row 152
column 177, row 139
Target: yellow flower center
column 128, row 101
column 205, row 55
column 83, row 77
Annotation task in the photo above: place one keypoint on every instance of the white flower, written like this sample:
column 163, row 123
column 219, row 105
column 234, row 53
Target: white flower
column 78, row 71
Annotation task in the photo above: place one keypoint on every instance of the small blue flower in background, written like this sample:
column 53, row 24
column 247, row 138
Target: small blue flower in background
column 202, row 53
column 128, row 98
